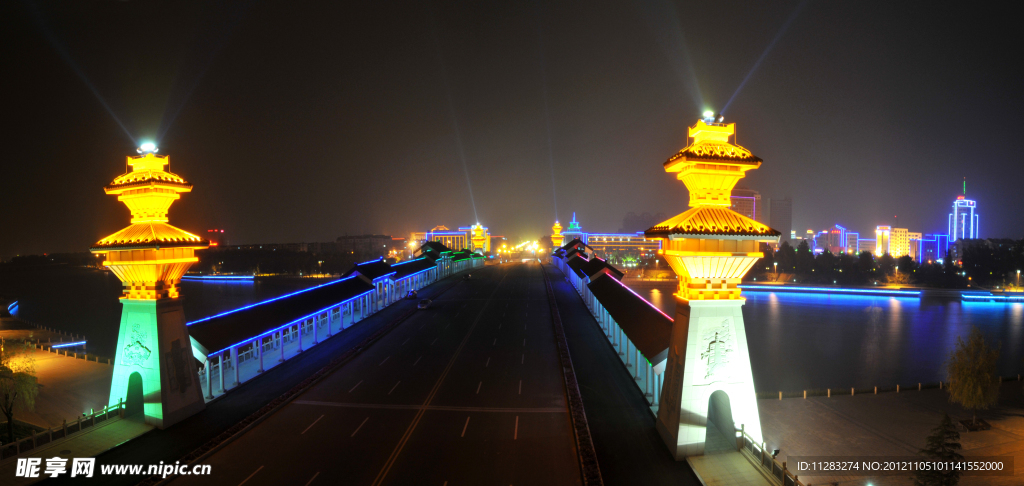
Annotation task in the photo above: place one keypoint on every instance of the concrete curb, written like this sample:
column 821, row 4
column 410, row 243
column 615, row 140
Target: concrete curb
column 224, row 438
column 589, row 468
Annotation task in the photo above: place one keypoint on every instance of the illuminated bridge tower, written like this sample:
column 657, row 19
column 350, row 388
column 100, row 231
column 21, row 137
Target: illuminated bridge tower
column 708, row 387
column 556, row 236
column 154, row 370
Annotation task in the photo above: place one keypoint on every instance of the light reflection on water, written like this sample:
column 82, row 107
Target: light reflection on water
column 805, row 341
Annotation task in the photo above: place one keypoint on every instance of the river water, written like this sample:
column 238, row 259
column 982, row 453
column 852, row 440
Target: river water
column 85, row 301
column 797, row 341
column 814, row 341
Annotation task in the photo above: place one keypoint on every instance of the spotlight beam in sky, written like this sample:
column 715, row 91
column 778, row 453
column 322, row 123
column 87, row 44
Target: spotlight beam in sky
column 764, row 54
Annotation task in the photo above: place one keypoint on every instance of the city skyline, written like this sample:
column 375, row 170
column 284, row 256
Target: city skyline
column 537, row 113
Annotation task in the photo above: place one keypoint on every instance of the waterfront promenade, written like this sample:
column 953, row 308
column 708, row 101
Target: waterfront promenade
column 890, row 424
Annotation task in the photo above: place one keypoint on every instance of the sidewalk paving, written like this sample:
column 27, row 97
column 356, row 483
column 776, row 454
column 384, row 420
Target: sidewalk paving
column 890, row 424
column 88, row 443
column 727, row 469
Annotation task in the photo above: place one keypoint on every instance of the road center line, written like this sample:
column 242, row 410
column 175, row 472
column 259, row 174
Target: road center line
column 433, row 392
column 311, row 425
column 312, row 478
column 417, row 360
column 434, row 341
column 520, row 387
column 360, row 426
column 250, row 476
column 488, row 363
column 464, row 427
column 406, row 340
column 478, row 387
column 495, row 342
column 523, row 359
column 393, row 388
column 515, row 435
column 357, row 386
column 385, row 361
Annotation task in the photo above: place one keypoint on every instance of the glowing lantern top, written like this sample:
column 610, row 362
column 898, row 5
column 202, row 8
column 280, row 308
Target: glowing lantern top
column 556, row 235
column 148, row 190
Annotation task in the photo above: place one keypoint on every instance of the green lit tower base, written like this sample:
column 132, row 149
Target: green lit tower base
column 155, row 372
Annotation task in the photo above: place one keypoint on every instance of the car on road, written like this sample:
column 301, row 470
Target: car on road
column 423, row 304
column 466, row 277
column 411, row 295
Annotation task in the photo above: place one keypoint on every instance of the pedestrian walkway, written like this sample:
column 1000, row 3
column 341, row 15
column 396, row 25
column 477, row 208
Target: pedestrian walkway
column 88, row 443
column 890, row 424
column 68, row 388
column 727, row 469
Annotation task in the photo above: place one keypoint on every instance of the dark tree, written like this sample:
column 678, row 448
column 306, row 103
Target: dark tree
column 886, row 265
column 804, row 259
column 787, row 257
column 942, row 445
column 972, row 373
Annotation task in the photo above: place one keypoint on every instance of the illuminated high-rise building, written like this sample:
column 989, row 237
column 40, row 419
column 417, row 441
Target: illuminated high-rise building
column 710, row 247
column 155, row 369
column 963, row 221
column 852, row 243
column 748, row 203
column 894, row 241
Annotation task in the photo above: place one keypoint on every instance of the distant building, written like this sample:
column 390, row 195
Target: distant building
column 748, row 203
column 623, row 245
column 366, row 246
column 452, row 239
column 779, row 213
column 852, row 243
column 914, row 245
column 933, row 248
column 963, row 221
column 574, row 230
column 894, row 241
column 217, row 238
column 866, row 244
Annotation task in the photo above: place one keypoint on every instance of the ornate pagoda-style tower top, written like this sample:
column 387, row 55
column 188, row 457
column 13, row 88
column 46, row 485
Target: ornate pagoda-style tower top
column 711, row 246
column 556, row 235
column 150, row 256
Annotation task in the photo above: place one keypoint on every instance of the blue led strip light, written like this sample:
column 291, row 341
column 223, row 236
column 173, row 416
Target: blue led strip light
column 218, row 277
column 766, row 288
column 267, row 301
column 307, row 316
column 992, row 298
column 79, row 343
column 13, row 305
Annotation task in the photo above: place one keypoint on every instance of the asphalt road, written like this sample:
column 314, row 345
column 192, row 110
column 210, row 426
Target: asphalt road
column 629, row 449
column 469, row 391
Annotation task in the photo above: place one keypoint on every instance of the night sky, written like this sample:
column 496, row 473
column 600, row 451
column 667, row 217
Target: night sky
column 301, row 121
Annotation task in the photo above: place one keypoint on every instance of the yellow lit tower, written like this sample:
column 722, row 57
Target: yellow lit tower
column 480, row 239
column 708, row 387
column 154, row 369
column 556, row 235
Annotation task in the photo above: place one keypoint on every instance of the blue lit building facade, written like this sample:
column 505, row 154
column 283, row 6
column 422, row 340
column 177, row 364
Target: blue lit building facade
column 963, row 221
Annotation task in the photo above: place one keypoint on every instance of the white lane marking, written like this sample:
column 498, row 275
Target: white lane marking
column 357, row 386
column 312, row 424
column 478, row 387
column 524, row 327
column 516, row 434
column 406, row 340
column 495, row 342
column 417, row 360
column 464, row 427
column 312, row 478
column 499, row 325
column 385, row 361
column 393, row 388
column 524, row 342
column 523, row 359
column 434, row 341
column 250, row 476
column 360, row 426
column 446, row 325
column 488, row 363
column 520, row 387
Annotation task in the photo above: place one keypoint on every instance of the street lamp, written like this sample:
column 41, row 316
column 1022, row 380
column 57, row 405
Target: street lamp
column 1018, row 278
column 776, row 270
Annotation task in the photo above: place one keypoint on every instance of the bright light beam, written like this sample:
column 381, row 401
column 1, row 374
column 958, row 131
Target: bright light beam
column 52, row 39
column 454, row 117
column 547, row 111
column 764, row 54
column 664, row 21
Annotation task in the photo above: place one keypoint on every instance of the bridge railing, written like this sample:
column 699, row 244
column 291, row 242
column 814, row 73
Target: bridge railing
column 778, row 471
column 86, row 421
column 228, row 369
column 647, row 381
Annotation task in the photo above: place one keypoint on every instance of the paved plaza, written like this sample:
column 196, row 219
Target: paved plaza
column 890, row 424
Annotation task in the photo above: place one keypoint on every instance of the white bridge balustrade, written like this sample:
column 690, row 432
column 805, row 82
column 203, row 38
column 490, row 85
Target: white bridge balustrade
column 361, row 292
column 637, row 330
